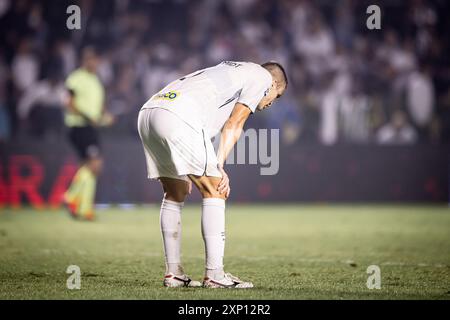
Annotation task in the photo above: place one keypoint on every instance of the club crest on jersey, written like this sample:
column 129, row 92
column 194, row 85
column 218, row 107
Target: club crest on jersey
column 171, row 95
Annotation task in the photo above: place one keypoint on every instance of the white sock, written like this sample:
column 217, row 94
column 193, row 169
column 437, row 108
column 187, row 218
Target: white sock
column 170, row 222
column 213, row 231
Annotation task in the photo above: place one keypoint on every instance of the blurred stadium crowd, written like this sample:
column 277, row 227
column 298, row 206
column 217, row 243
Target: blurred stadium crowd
column 348, row 84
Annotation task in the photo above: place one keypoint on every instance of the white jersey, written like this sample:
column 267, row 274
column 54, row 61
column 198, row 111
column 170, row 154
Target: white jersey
column 205, row 99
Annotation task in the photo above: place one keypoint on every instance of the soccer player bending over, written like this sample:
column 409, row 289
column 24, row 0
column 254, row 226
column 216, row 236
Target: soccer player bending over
column 176, row 126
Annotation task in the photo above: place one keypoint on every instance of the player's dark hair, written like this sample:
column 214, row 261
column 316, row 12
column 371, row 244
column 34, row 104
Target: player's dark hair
column 271, row 65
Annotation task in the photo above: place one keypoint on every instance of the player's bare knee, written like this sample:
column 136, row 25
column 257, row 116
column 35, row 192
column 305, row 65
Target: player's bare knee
column 209, row 188
column 213, row 193
column 203, row 191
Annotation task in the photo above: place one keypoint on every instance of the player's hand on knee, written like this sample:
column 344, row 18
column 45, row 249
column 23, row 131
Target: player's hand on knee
column 224, row 185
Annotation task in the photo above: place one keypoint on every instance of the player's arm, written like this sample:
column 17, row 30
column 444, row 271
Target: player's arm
column 70, row 104
column 231, row 131
column 230, row 134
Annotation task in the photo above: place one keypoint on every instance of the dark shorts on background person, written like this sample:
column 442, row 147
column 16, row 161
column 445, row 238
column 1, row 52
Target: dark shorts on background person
column 86, row 141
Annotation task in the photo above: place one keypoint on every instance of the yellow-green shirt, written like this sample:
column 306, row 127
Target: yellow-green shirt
column 89, row 96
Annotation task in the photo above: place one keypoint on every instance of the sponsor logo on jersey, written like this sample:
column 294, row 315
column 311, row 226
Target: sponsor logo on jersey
column 170, row 95
column 232, row 64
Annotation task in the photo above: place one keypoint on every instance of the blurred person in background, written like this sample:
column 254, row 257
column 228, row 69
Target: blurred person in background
column 4, row 76
column 85, row 112
column 420, row 99
column 398, row 131
column 316, row 46
column 423, row 17
column 65, row 51
column 344, row 23
column 24, row 74
column 354, row 115
column 336, row 85
column 25, row 66
column 124, row 98
column 397, row 61
column 42, row 104
column 5, row 127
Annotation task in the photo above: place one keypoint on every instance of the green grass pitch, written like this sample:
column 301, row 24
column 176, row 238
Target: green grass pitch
column 288, row 251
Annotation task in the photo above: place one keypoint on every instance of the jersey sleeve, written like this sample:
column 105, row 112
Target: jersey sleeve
column 71, row 82
column 256, row 85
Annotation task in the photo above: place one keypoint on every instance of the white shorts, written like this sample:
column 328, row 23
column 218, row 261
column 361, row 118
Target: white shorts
column 173, row 148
